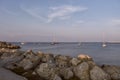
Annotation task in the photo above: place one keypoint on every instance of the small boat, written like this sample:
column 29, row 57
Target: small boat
column 54, row 43
column 104, row 45
column 22, row 43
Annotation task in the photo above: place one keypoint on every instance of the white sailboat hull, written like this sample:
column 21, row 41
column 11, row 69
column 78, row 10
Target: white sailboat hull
column 104, row 45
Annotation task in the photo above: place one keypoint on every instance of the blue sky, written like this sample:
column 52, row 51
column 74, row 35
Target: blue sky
column 62, row 20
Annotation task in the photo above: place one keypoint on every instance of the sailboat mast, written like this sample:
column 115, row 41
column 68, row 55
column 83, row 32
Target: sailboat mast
column 103, row 37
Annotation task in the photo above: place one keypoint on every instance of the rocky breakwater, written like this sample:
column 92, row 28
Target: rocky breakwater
column 44, row 66
column 8, row 45
column 9, row 54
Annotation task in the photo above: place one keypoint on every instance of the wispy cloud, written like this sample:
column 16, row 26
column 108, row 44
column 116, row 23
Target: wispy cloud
column 9, row 11
column 59, row 12
column 104, row 23
column 111, row 22
column 115, row 22
column 35, row 12
column 78, row 23
column 63, row 11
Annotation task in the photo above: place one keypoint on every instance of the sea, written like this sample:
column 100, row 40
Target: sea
column 101, row 55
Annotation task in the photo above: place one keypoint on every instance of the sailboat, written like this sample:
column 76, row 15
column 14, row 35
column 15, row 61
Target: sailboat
column 104, row 44
column 54, row 42
column 22, row 43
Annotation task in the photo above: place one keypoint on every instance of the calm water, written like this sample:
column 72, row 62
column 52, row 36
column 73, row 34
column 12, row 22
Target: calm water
column 106, row 55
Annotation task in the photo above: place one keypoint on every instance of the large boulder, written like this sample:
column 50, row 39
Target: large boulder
column 84, row 57
column 113, row 71
column 66, row 73
column 62, row 61
column 47, row 71
column 98, row 74
column 40, row 54
column 82, row 71
column 8, row 60
column 48, row 58
column 91, row 64
column 56, row 77
column 30, row 60
column 13, row 54
column 75, row 61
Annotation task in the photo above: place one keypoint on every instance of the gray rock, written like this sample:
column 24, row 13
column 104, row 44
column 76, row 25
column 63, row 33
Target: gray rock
column 30, row 61
column 8, row 45
column 43, row 70
column 91, row 64
column 40, row 54
column 98, row 74
column 48, row 58
column 11, row 63
column 82, row 71
column 75, row 61
column 62, row 61
column 26, row 64
column 56, row 77
column 66, row 73
column 47, row 71
column 9, row 59
column 10, row 55
column 113, row 71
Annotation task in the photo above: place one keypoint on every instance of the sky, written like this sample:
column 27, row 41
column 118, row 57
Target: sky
column 60, row 20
